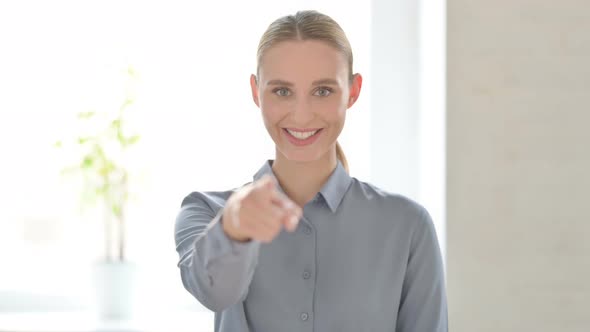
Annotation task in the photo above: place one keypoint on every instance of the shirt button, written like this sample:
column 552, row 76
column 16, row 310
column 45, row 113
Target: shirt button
column 304, row 316
column 307, row 230
column 306, row 274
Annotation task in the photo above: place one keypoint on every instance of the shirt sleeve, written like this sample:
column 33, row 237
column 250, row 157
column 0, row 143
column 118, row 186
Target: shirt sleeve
column 215, row 269
column 423, row 305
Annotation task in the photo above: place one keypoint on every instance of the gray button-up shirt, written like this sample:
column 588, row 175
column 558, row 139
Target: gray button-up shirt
column 361, row 259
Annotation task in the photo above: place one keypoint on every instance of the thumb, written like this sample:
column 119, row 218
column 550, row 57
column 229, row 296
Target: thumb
column 269, row 182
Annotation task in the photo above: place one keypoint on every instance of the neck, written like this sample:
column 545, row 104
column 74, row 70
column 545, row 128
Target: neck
column 302, row 180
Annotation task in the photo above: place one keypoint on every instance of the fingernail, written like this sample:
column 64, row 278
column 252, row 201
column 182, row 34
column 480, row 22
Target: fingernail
column 294, row 221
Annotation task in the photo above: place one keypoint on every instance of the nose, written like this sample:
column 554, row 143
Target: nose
column 302, row 112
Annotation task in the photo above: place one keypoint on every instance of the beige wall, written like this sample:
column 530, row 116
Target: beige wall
column 518, row 172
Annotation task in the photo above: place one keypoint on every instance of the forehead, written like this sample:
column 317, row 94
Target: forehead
column 303, row 61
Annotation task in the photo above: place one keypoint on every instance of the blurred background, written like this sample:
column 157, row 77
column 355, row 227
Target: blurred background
column 478, row 110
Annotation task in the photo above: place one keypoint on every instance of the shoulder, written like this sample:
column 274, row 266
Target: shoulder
column 407, row 219
column 201, row 206
column 389, row 204
column 211, row 199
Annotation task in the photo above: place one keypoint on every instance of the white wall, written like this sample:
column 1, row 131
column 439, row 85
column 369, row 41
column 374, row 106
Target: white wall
column 518, row 176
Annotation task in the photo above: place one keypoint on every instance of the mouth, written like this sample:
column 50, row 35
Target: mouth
column 301, row 137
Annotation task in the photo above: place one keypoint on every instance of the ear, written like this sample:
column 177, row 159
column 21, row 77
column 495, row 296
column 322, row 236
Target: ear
column 254, row 87
column 355, row 89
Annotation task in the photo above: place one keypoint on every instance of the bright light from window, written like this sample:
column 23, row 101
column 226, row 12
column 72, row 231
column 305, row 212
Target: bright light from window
column 199, row 127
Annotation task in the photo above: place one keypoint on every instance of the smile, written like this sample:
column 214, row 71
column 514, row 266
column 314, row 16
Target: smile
column 302, row 137
column 302, row 134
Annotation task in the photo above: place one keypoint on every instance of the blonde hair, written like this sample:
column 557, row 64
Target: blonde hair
column 308, row 25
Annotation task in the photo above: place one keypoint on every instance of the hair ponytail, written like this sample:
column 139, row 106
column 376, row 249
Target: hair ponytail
column 340, row 155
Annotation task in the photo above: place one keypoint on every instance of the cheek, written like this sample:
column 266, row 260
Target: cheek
column 332, row 109
column 272, row 112
column 276, row 108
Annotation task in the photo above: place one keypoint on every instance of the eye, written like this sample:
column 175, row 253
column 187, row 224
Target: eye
column 323, row 91
column 281, row 92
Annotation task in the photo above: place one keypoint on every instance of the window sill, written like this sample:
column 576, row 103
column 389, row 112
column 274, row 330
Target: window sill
column 88, row 322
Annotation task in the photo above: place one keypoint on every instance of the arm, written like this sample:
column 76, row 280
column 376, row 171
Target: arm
column 215, row 269
column 423, row 305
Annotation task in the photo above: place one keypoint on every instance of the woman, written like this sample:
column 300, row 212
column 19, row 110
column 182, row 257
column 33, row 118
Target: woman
column 306, row 247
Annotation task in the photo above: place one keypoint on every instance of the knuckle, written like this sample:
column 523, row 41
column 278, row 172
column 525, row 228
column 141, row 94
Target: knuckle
column 275, row 214
column 250, row 200
column 255, row 191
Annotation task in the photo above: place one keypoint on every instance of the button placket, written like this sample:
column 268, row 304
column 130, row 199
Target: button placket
column 304, row 316
column 308, row 283
column 306, row 225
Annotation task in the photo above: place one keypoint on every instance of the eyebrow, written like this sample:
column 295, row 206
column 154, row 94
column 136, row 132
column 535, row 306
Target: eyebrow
column 324, row 81
column 279, row 82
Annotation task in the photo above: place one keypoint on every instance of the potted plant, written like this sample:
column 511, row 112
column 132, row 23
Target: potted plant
column 102, row 147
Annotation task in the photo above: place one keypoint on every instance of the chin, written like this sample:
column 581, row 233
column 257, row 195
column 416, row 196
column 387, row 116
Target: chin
column 301, row 156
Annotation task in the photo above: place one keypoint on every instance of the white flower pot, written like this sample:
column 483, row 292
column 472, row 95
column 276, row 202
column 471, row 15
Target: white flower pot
column 114, row 289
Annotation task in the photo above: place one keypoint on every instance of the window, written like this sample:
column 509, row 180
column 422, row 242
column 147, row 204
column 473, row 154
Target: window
column 193, row 64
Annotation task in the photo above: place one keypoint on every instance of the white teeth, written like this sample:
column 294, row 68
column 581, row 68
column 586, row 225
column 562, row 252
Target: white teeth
column 302, row 135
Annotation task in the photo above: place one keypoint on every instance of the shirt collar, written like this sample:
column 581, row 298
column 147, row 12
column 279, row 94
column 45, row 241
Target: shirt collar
column 333, row 190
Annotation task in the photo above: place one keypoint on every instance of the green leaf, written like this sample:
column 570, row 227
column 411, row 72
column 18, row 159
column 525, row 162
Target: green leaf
column 132, row 140
column 128, row 101
column 98, row 150
column 87, row 162
column 121, row 139
column 116, row 209
column 85, row 115
column 99, row 191
column 116, row 124
column 84, row 140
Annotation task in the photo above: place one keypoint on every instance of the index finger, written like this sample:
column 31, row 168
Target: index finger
column 286, row 203
column 270, row 185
